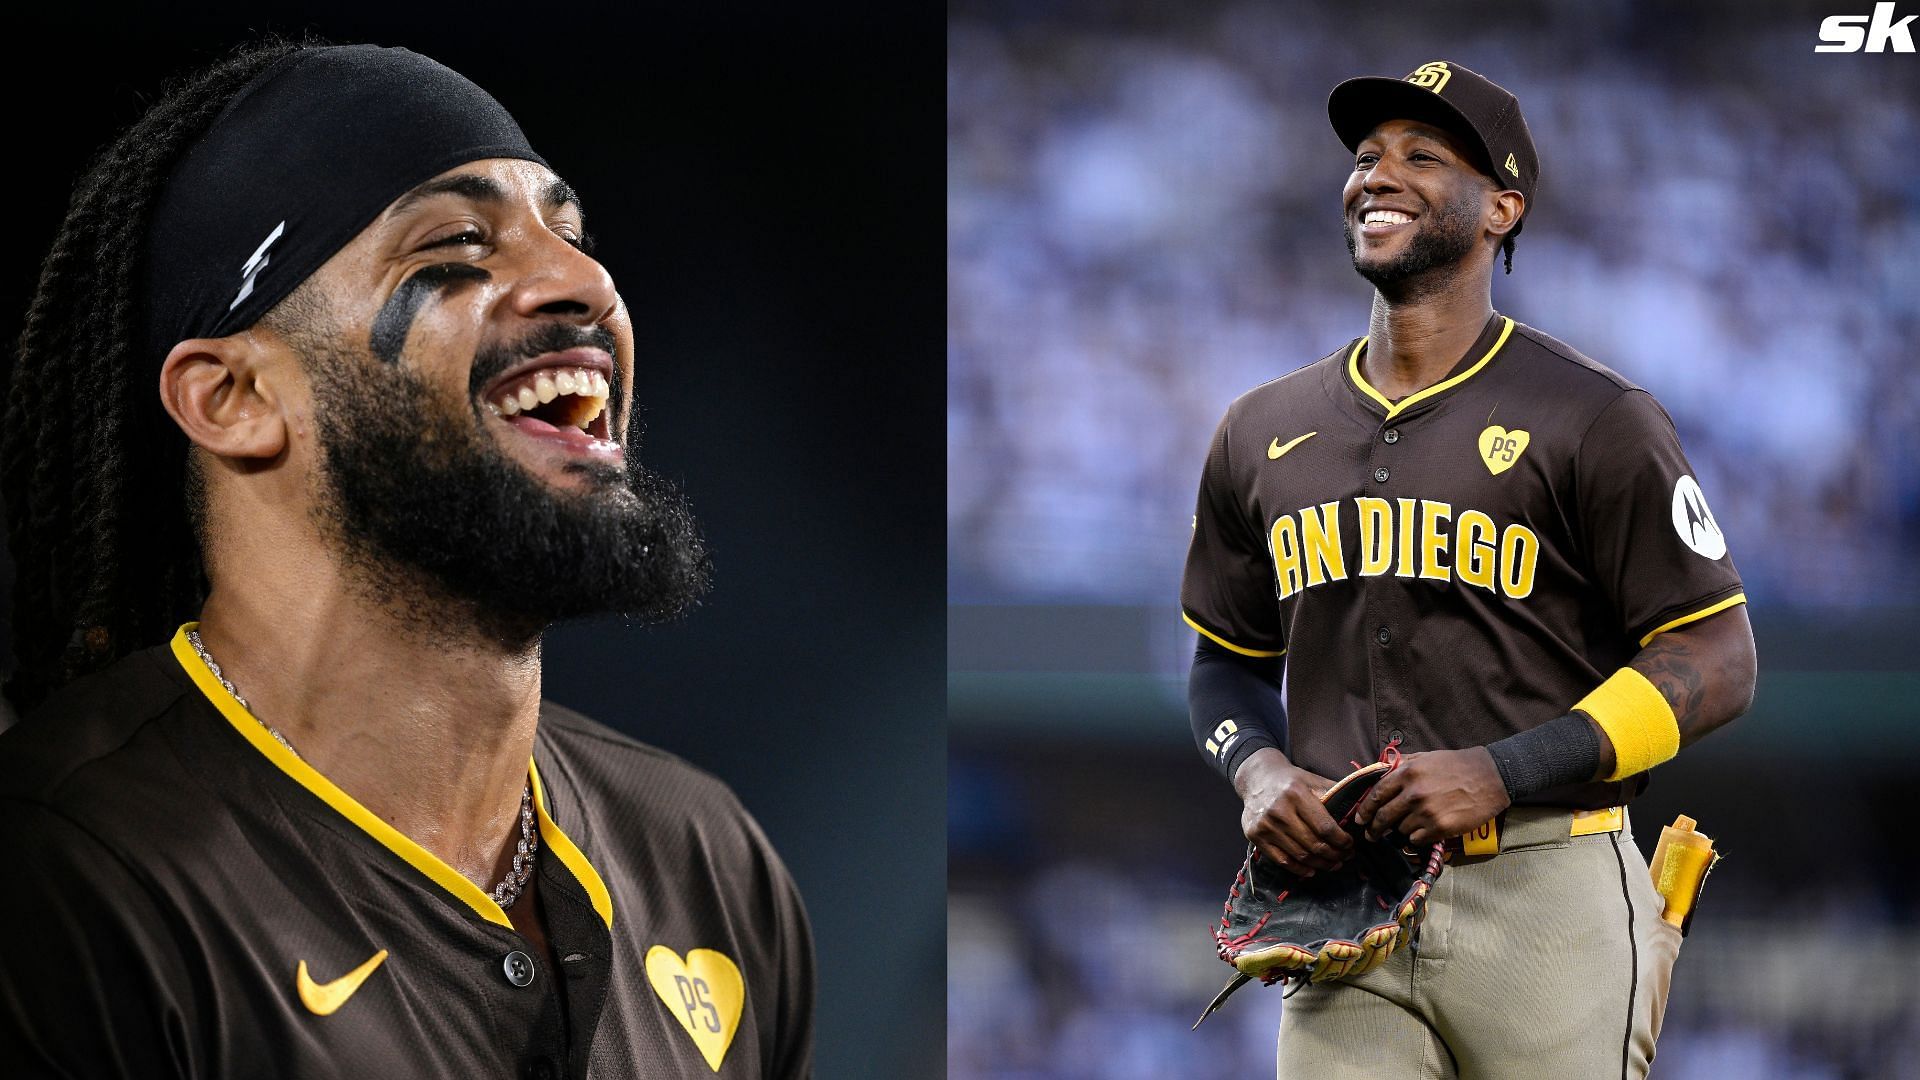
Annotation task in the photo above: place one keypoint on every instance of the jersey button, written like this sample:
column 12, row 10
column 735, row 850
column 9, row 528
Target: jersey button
column 1384, row 635
column 1391, row 435
column 519, row 968
column 1380, row 475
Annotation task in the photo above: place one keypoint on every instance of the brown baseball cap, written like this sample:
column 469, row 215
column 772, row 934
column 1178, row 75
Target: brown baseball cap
column 1453, row 97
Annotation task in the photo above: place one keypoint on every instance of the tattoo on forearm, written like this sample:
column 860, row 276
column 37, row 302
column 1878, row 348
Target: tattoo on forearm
column 1670, row 663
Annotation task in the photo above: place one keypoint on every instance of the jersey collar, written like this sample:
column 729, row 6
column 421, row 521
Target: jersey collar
column 1395, row 408
column 556, row 842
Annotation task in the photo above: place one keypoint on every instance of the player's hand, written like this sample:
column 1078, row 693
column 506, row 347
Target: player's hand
column 1434, row 796
column 1281, row 813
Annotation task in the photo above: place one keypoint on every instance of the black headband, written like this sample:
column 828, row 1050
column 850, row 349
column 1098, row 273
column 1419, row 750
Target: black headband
column 307, row 154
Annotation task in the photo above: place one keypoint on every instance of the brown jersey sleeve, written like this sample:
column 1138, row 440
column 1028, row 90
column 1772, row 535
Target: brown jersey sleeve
column 1227, row 592
column 1654, row 545
column 100, row 987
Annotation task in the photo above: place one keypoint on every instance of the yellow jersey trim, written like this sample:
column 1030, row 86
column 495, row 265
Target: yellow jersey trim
column 1710, row 609
column 563, row 848
column 1637, row 719
column 1353, row 371
column 1224, row 643
column 429, row 864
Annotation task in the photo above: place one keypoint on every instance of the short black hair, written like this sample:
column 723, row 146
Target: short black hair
column 100, row 508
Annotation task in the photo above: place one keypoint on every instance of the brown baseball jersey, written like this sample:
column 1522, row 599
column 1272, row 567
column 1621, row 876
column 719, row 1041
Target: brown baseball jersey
column 189, row 899
column 1459, row 565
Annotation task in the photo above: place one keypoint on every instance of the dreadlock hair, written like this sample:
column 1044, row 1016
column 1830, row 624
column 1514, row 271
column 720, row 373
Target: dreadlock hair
column 93, row 472
column 1506, row 245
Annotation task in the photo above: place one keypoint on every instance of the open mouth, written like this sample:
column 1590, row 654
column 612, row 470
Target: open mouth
column 1380, row 222
column 563, row 405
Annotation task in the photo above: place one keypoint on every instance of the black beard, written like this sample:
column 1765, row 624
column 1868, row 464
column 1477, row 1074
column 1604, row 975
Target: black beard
column 1431, row 258
column 436, row 522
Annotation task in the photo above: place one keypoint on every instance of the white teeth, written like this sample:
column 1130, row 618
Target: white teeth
column 548, row 385
column 1386, row 217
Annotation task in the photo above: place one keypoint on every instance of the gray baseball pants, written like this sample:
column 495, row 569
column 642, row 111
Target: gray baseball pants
column 1549, row 959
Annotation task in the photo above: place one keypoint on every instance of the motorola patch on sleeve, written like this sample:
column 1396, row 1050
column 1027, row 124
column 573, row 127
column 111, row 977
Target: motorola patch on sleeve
column 1694, row 522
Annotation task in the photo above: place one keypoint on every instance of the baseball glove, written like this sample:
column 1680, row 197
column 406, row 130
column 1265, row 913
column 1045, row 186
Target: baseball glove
column 1281, row 927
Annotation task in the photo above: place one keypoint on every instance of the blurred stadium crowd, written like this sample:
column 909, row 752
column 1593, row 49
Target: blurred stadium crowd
column 1143, row 222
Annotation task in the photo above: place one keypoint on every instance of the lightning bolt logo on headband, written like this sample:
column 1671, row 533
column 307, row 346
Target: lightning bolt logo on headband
column 372, row 122
column 256, row 264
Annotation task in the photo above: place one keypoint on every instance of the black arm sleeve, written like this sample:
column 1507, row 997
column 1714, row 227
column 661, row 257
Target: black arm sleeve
column 1561, row 751
column 1234, row 704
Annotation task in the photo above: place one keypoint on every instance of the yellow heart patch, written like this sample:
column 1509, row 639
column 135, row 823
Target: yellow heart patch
column 704, row 992
column 1500, row 448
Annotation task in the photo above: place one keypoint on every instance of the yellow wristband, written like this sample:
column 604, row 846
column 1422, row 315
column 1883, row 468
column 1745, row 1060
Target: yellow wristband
column 1637, row 719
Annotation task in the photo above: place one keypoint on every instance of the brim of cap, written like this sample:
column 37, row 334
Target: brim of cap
column 1357, row 106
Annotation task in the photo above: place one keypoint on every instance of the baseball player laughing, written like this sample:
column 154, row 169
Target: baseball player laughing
column 1461, row 538
column 328, row 330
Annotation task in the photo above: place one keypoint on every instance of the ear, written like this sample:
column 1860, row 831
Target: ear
column 215, row 390
column 1508, row 206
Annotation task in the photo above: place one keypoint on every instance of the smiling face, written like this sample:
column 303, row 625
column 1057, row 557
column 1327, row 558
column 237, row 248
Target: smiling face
column 471, row 372
column 1417, row 207
column 484, row 268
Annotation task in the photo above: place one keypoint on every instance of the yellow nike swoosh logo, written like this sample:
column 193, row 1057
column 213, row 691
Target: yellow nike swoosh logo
column 1274, row 449
column 321, row 999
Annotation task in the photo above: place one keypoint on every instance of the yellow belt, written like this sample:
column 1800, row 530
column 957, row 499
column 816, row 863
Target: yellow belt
column 1485, row 840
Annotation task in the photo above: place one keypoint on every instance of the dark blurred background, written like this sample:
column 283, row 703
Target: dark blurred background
column 764, row 186
column 1143, row 223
